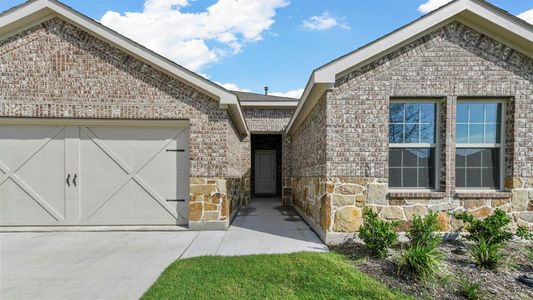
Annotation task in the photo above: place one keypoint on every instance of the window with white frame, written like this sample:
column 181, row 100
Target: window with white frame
column 412, row 144
column 479, row 144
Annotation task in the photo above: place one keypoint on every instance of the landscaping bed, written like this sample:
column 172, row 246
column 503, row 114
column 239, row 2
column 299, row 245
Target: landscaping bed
column 457, row 271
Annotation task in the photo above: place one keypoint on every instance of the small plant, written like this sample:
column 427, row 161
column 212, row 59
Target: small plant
column 422, row 258
column 423, row 231
column 524, row 233
column 378, row 235
column 471, row 290
column 420, row 261
column 489, row 236
column 492, row 227
column 486, row 253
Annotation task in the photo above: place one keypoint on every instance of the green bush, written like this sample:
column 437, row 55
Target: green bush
column 489, row 236
column 422, row 258
column 378, row 235
column 423, row 231
column 420, row 261
column 492, row 227
column 486, row 253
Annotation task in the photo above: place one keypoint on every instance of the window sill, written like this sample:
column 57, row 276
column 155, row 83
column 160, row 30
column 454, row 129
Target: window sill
column 482, row 195
column 416, row 194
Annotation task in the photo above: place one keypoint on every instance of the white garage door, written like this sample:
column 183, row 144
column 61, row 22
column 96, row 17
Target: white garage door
column 92, row 175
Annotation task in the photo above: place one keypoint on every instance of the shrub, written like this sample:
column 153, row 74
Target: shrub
column 423, row 231
column 420, row 261
column 378, row 235
column 422, row 257
column 489, row 236
column 486, row 253
column 492, row 227
column 471, row 290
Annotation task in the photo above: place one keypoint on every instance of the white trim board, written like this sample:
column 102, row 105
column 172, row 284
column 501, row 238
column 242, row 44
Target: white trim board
column 478, row 14
column 32, row 13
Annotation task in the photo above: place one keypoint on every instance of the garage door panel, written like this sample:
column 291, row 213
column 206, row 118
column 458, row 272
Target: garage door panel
column 19, row 208
column 32, row 180
column 118, row 209
column 45, row 174
column 19, row 143
column 133, row 146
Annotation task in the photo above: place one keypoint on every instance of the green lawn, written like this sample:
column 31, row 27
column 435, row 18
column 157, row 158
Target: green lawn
column 301, row 275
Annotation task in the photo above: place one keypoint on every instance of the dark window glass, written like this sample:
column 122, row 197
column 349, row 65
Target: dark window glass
column 477, row 168
column 473, row 157
column 460, row 177
column 395, row 158
column 460, row 158
column 410, row 177
column 416, row 168
column 395, row 177
column 473, row 177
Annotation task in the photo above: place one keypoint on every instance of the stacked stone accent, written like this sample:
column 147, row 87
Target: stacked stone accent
column 213, row 202
column 334, row 206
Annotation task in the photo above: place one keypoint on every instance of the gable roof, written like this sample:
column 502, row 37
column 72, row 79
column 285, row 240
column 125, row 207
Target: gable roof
column 34, row 12
column 478, row 14
column 261, row 100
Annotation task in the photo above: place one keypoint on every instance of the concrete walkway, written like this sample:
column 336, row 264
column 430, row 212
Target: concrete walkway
column 122, row 265
column 263, row 227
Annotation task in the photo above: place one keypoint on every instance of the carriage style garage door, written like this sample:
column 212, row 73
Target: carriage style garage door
column 93, row 175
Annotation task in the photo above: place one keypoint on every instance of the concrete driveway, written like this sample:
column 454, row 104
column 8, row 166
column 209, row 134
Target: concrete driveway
column 123, row 265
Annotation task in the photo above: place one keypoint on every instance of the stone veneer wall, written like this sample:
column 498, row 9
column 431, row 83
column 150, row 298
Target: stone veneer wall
column 268, row 120
column 451, row 63
column 56, row 70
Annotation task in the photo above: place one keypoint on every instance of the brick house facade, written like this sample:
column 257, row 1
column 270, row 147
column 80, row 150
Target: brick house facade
column 333, row 146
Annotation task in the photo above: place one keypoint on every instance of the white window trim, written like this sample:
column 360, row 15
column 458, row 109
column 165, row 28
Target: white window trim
column 500, row 145
column 435, row 145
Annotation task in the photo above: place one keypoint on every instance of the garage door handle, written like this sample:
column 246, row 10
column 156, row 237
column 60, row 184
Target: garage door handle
column 74, row 179
column 68, row 178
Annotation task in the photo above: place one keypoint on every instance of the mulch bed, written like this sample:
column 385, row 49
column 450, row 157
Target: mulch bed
column 457, row 268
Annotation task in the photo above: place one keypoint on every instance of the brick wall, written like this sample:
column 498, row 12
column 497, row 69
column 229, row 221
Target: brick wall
column 308, row 144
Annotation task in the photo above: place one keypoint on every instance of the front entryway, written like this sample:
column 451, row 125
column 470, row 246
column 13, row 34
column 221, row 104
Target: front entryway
column 93, row 175
column 266, row 167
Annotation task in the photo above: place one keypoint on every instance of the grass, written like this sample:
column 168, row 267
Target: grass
column 301, row 275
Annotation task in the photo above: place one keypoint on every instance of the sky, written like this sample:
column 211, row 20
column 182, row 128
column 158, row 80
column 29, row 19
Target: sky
column 249, row 44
